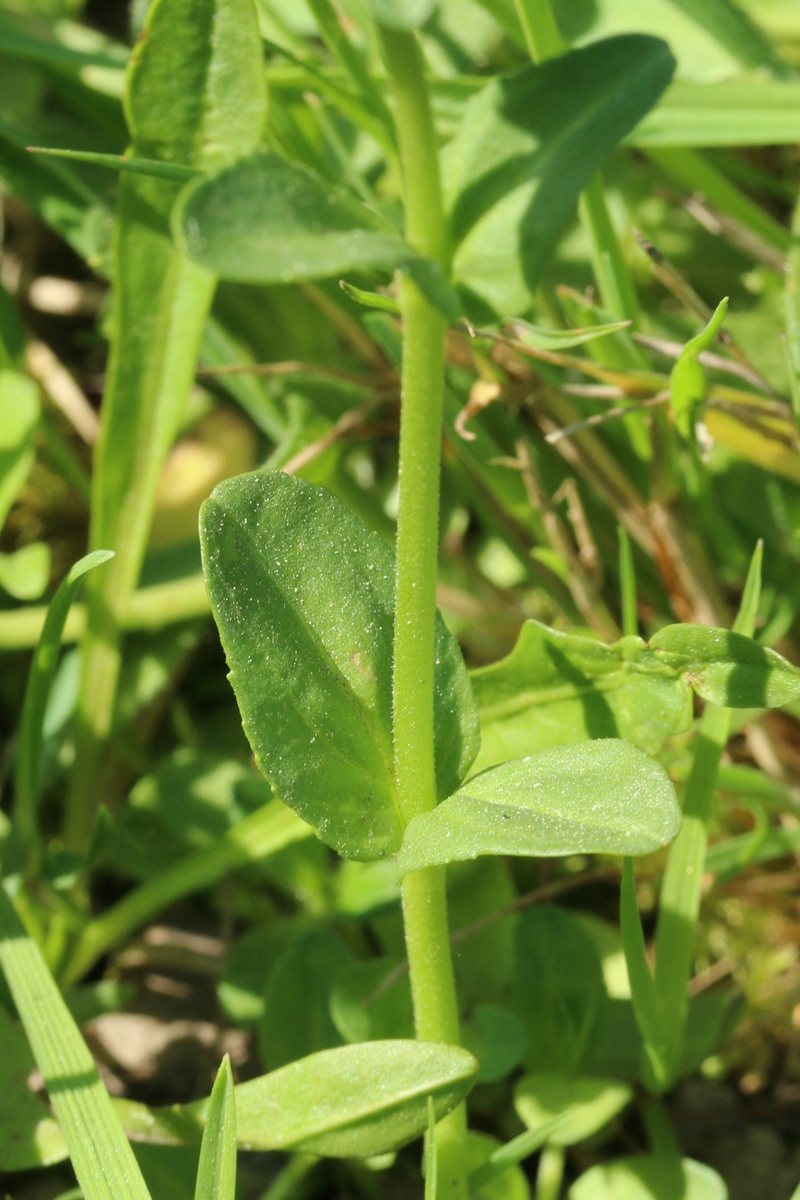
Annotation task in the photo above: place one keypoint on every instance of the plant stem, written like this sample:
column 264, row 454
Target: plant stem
column 424, row 330
column 682, row 889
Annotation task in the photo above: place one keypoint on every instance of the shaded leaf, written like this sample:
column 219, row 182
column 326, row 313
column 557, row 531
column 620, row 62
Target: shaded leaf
column 603, row 797
column 296, row 1020
column 528, row 145
column 99, row 1151
column 303, row 595
column 556, row 688
column 559, row 991
column 728, row 668
column 268, row 220
column 29, row 1135
column 498, row 1040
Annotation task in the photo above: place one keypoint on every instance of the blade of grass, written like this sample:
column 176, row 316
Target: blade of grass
column 216, row 1171
column 40, row 679
column 683, row 879
column 100, row 1153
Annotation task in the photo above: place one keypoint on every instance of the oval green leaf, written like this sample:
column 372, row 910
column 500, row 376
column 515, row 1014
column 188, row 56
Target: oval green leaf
column 603, row 797
column 643, row 1176
column 586, row 1105
column 303, row 595
column 351, row 1102
column 728, row 668
column 267, row 220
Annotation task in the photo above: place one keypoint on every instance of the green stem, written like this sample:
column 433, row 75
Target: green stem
column 424, row 330
column 682, row 889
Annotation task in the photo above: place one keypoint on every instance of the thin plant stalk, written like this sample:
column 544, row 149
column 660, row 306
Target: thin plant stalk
column 424, row 330
column 682, row 890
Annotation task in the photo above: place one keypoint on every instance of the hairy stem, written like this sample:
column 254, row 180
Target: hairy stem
column 424, row 329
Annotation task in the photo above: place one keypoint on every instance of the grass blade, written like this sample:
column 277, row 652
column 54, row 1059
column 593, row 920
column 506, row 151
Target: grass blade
column 40, row 679
column 100, row 1152
column 216, row 1171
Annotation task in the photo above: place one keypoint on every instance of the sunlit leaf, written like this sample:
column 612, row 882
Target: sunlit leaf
column 303, row 594
column 594, row 797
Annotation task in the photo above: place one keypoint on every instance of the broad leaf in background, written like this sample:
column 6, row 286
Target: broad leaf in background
column 528, row 145
column 19, row 420
column 559, row 991
column 556, row 688
column 216, row 1171
column 29, row 1135
column 303, row 596
column 267, row 220
column 602, row 797
column 195, row 96
column 587, row 1104
column 727, row 668
column 402, row 14
column 643, row 1176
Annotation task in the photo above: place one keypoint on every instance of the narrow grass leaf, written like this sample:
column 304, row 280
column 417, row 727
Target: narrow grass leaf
column 19, row 420
column 303, row 595
column 594, row 797
column 37, row 692
column 121, row 162
column 216, row 1171
column 196, row 97
column 641, row 978
column 732, row 112
column 562, row 339
column 100, row 1153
